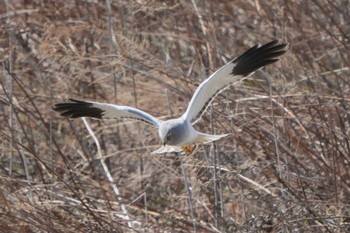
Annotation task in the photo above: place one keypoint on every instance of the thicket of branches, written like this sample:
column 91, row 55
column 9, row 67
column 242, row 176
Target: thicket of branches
column 284, row 167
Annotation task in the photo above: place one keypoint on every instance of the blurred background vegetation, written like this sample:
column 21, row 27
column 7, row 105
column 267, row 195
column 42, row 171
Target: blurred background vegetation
column 284, row 168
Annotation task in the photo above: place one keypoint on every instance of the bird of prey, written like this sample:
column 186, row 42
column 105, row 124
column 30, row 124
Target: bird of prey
column 178, row 135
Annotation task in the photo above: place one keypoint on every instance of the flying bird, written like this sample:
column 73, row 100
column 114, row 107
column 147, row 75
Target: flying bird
column 178, row 135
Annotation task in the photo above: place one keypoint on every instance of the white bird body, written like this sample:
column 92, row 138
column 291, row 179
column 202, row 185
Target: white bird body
column 178, row 134
column 186, row 136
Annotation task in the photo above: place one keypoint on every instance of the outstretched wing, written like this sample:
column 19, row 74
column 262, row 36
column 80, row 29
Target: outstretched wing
column 230, row 74
column 78, row 108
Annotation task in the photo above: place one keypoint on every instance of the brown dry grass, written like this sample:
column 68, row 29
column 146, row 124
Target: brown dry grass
column 285, row 167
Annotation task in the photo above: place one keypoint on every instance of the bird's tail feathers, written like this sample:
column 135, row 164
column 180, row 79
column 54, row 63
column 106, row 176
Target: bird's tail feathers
column 167, row 149
column 202, row 138
column 207, row 138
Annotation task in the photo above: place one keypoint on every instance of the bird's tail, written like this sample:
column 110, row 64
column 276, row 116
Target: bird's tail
column 207, row 138
column 167, row 149
column 201, row 138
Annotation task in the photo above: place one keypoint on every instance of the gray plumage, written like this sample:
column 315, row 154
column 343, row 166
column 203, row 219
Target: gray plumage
column 178, row 134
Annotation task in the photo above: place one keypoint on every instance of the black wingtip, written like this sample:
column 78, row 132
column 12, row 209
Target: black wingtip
column 259, row 56
column 78, row 108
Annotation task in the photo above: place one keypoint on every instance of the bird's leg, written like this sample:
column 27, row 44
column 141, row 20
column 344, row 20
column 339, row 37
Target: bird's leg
column 188, row 149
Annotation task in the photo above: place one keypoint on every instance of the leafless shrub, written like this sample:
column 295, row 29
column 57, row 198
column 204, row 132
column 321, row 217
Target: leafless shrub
column 285, row 167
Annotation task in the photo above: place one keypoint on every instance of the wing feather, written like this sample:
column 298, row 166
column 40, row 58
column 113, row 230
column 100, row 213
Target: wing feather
column 78, row 108
column 230, row 74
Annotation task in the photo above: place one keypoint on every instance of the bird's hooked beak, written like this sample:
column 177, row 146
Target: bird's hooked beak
column 165, row 141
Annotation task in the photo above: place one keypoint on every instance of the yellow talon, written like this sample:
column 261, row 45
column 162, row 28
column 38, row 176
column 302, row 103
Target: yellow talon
column 188, row 149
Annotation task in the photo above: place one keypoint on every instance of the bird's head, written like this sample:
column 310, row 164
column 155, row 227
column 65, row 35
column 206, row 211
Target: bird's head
column 172, row 132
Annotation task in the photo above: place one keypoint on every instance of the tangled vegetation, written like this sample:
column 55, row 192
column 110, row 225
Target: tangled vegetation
column 284, row 167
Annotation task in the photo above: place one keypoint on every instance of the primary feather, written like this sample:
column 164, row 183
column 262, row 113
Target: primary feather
column 230, row 74
column 78, row 108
